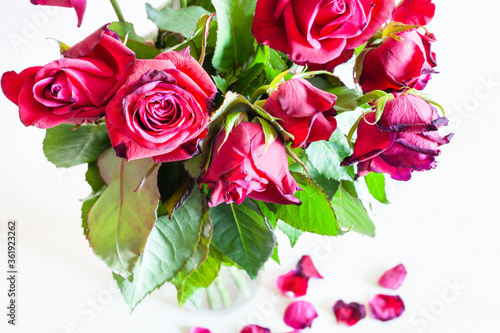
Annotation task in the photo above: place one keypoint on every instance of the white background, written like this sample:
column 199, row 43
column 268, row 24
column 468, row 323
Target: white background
column 443, row 224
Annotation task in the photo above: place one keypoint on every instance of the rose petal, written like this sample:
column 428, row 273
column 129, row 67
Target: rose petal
column 255, row 329
column 393, row 278
column 386, row 307
column 292, row 284
column 349, row 313
column 300, row 314
column 414, row 12
column 306, row 268
column 199, row 330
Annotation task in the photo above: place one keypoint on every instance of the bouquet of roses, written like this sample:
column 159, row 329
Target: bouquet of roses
column 203, row 140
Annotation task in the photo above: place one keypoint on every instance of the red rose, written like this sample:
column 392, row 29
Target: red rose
column 242, row 167
column 74, row 89
column 395, row 64
column 317, row 31
column 405, row 139
column 163, row 109
column 78, row 5
column 303, row 110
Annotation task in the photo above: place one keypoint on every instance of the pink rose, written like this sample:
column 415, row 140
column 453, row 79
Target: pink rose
column 304, row 111
column 74, row 89
column 242, row 167
column 318, row 31
column 78, row 5
column 404, row 140
column 163, row 109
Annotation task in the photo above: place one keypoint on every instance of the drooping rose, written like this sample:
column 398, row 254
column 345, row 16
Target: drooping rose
column 78, row 5
column 386, row 307
column 163, row 109
column 349, row 313
column 242, row 167
column 318, row 31
column 404, row 140
column 395, row 64
column 304, row 111
column 393, row 278
column 300, row 315
column 255, row 329
column 295, row 282
column 74, row 89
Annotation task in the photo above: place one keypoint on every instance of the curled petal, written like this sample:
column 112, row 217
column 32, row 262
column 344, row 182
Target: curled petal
column 414, row 12
column 393, row 278
column 349, row 313
column 292, row 284
column 255, row 329
column 386, row 307
column 306, row 268
column 300, row 314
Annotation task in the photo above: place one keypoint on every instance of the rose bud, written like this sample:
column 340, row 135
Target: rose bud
column 396, row 64
column 386, row 307
column 300, row 314
column 74, row 89
column 163, row 109
column 315, row 31
column 255, row 329
column 349, row 313
column 303, row 110
column 295, row 282
column 242, row 166
column 78, row 5
column 393, row 278
column 199, row 330
column 405, row 139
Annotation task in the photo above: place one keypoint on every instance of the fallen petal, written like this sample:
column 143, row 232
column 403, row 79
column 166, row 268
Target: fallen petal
column 349, row 313
column 255, row 329
column 300, row 314
column 292, row 284
column 393, row 278
column 386, row 307
column 199, row 330
column 306, row 268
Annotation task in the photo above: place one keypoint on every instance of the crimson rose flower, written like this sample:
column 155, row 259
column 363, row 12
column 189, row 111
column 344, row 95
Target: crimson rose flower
column 405, row 139
column 78, row 5
column 74, row 89
column 163, row 109
column 403, row 62
column 303, row 110
column 243, row 167
column 318, row 31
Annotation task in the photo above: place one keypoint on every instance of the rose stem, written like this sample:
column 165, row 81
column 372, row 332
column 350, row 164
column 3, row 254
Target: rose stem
column 224, row 294
column 118, row 11
column 211, row 295
column 240, row 281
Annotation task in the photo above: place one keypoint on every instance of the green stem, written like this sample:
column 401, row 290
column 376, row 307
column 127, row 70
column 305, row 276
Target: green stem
column 240, row 282
column 118, row 11
column 184, row 3
column 211, row 296
column 223, row 292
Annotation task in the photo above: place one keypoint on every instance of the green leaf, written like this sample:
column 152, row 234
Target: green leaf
column 325, row 156
column 170, row 245
column 253, row 67
column 242, row 234
column 396, row 27
column 351, row 213
column 267, row 212
column 173, row 183
column 376, row 186
column 120, row 221
column 193, row 166
column 315, row 214
column 270, row 133
column 292, row 233
column 182, row 21
column 133, row 41
column 371, row 97
column 347, row 98
column 66, row 146
column 275, row 255
column 235, row 40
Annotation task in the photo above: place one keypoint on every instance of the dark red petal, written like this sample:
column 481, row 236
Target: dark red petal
column 300, row 314
column 393, row 278
column 386, row 307
column 255, row 329
column 292, row 284
column 305, row 267
column 349, row 313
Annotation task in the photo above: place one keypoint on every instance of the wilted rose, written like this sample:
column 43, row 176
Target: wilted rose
column 78, row 5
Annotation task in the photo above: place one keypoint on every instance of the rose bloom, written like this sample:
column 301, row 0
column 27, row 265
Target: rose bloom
column 405, row 139
column 74, row 89
column 303, row 110
column 78, row 5
column 243, row 167
column 318, row 31
column 403, row 62
column 163, row 109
